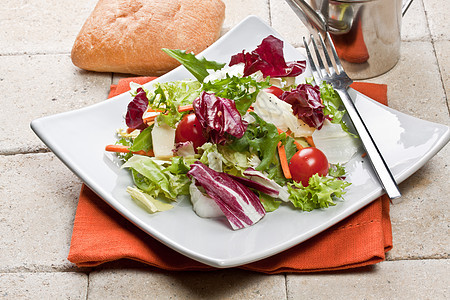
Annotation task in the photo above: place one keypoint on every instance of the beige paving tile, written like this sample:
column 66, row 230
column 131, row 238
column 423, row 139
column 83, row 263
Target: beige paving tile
column 146, row 284
column 237, row 10
column 38, row 198
column 443, row 57
column 388, row 280
column 34, row 86
column 286, row 22
column 56, row 285
column 415, row 24
column 438, row 14
column 414, row 84
column 420, row 221
column 41, row 26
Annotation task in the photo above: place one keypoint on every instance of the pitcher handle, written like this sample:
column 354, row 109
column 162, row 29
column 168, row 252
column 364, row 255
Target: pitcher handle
column 308, row 15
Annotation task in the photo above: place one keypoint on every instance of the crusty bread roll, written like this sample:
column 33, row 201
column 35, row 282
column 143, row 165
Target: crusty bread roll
column 126, row 36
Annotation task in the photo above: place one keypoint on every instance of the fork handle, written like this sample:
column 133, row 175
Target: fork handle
column 379, row 165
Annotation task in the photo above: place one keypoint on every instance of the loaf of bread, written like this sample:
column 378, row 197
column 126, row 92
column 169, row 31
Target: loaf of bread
column 126, row 36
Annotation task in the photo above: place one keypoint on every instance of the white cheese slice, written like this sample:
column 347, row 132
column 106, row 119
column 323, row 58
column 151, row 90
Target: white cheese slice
column 163, row 138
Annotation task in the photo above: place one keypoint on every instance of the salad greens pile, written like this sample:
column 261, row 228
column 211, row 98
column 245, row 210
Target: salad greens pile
column 245, row 122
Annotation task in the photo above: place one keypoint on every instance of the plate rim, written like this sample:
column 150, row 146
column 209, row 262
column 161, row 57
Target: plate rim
column 37, row 125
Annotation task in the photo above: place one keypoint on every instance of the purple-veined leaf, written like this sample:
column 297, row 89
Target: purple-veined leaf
column 136, row 109
column 269, row 59
column 306, row 104
column 218, row 117
column 240, row 205
column 257, row 186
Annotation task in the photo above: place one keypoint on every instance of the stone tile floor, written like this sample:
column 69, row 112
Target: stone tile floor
column 38, row 194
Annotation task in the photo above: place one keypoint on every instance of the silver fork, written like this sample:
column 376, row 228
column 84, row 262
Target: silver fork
column 340, row 82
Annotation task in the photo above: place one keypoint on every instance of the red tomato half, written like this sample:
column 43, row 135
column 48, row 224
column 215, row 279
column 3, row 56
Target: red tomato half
column 190, row 130
column 274, row 90
column 307, row 162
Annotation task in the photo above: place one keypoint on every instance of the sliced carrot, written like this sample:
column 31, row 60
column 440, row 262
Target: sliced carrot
column 288, row 132
column 181, row 108
column 150, row 119
column 188, row 107
column 117, row 148
column 283, row 161
column 310, row 141
column 297, row 144
column 124, row 149
column 154, row 110
column 364, row 154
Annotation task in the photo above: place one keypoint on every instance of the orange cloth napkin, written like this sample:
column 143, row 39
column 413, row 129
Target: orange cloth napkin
column 351, row 46
column 100, row 234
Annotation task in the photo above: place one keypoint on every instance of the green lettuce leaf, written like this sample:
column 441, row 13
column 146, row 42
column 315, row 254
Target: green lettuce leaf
column 204, row 150
column 333, row 106
column 318, row 194
column 196, row 66
column 336, row 171
column 243, row 90
column 261, row 137
column 157, row 180
column 269, row 203
column 151, row 204
column 233, row 162
column 168, row 96
column 290, row 148
column 177, row 166
column 143, row 141
column 124, row 142
column 179, row 183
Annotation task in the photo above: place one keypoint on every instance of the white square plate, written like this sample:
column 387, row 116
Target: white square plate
column 79, row 137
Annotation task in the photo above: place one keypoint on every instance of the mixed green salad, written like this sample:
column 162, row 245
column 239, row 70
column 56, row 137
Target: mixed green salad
column 240, row 139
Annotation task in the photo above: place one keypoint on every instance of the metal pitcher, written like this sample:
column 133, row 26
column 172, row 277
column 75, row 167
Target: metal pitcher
column 366, row 33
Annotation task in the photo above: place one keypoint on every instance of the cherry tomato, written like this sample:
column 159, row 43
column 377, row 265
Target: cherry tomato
column 307, row 162
column 190, row 130
column 274, row 90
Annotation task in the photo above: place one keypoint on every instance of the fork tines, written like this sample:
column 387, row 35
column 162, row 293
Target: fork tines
column 320, row 71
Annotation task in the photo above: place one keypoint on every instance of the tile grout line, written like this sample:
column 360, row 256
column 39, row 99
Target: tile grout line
column 286, row 285
column 440, row 75
column 33, row 53
column 270, row 11
column 88, row 272
column 433, row 44
column 87, row 285
column 37, row 151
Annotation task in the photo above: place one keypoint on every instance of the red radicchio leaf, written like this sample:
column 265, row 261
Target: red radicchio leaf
column 218, row 117
column 136, row 109
column 257, row 186
column 306, row 104
column 259, row 177
column 268, row 58
column 240, row 205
